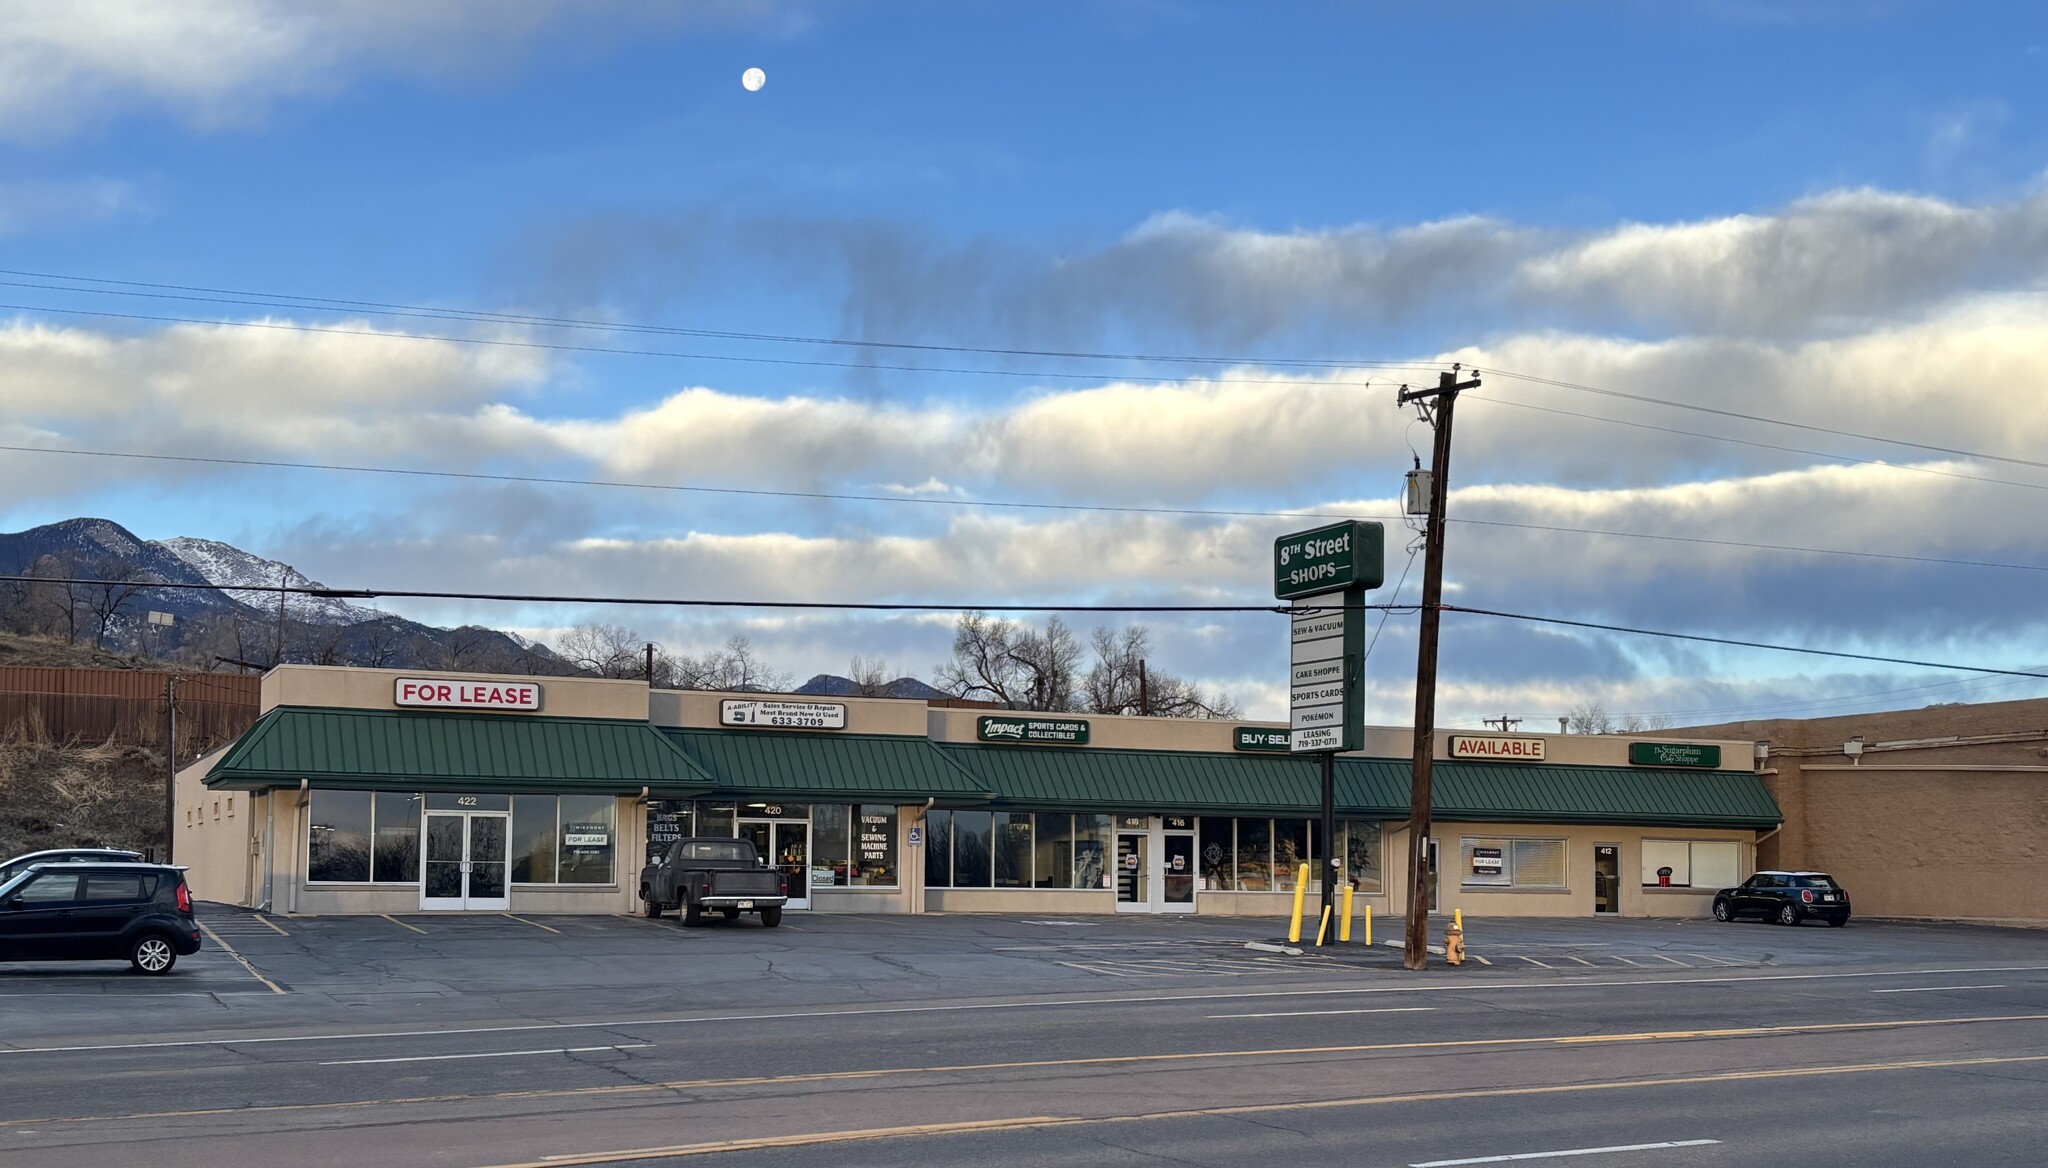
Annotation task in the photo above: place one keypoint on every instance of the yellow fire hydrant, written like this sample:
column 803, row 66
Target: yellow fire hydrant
column 1454, row 940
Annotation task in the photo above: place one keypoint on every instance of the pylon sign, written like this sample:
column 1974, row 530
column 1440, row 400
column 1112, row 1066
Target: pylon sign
column 1326, row 573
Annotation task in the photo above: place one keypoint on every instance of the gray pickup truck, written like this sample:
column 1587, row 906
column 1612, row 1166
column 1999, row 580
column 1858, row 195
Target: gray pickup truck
column 713, row 872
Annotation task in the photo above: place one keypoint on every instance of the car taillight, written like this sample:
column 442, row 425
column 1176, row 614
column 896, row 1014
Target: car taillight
column 184, row 897
column 782, row 887
column 1806, row 894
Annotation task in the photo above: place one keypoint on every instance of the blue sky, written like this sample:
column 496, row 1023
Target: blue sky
column 1827, row 212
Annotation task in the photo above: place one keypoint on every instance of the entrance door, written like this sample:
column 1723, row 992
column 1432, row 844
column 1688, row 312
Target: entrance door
column 1177, row 872
column 1429, row 846
column 1134, row 871
column 1606, row 878
column 787, row 845
column 465, row 866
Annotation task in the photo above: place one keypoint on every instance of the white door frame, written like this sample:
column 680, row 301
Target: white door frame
column 466, row 902
column 740, row 823
column 1152, row 869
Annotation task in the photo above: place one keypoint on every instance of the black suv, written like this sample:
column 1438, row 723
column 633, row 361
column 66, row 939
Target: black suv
column 83, row 911
column 1786, row 897
column 22, row 863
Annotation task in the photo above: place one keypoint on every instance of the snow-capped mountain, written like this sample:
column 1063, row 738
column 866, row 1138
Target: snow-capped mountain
column 236, row 570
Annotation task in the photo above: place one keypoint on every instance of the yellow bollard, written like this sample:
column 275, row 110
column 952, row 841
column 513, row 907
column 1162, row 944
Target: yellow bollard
column 1368, row 925
column 1300, row 890
column 1458, row 919
column 1344, row 926
column 1323, row 928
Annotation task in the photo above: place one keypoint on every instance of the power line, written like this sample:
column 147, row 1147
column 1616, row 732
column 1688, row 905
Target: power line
column 998, row 504
column 1769, row 421
column 388, row 308
column 604, row 350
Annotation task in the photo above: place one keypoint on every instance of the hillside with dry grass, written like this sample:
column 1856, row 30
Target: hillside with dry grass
column 54, row 795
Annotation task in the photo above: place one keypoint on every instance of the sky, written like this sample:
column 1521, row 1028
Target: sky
column 1068, row 303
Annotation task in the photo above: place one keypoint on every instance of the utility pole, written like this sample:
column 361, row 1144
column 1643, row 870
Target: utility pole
column 1444, row 398
column 1144, row 691
column 650, row 664
column 170, row 763
column 1504, row 723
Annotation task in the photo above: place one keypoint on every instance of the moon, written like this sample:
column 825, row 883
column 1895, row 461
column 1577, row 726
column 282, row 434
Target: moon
column 753, row 79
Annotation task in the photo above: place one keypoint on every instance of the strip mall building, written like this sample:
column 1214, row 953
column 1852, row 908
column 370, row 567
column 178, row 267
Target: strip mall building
column 374, row 791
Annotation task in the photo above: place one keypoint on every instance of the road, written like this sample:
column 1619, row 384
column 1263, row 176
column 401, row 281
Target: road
column 1885, row 1060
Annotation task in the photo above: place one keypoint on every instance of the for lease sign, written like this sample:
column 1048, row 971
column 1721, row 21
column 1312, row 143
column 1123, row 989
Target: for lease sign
column 467, row 695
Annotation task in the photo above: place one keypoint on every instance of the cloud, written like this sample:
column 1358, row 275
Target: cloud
column 1838, row 261
column 67, row 63
column 44, row 204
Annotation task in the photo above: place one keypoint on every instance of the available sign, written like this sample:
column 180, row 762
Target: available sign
column 1496, row 747
column 1486, row 861
column 1257, row 738
column 1343, row 555
column 783, row 715
column 1673, row 754
column 466, row 695
column 1059, row 731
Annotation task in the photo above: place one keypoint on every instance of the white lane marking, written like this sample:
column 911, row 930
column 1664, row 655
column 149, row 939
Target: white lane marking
column 1672, row 960
column 1936, row 989
column 1566, row 1152
column 1049, row 1003
column 1320, row 1013
column 1533, row 961
column 239, row 959
column 435, row 1058
column 402, row 924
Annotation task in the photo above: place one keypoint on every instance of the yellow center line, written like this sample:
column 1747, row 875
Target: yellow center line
column 1560, row 1040
column 402, row 924
column 811, row 1139
column 239, row 959
column 535, row 924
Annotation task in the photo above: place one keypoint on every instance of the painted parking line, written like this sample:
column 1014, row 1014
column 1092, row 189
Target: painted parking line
column 1533, row 961
column 436, row 1058
column 239, row 959
column 1565, row 1152
column 1321, row 1013
column 1936, row 989
column 535, row 924
column 402, row 924
column 1672, row 960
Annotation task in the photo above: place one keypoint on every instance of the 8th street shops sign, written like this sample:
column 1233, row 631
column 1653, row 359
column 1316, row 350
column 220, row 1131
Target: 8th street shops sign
column 1337, row 558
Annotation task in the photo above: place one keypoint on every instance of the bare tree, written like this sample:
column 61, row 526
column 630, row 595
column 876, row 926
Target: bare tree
column 110, row 584
column 58, row 604
column 322, row 644
column 1016, row 666
column 1589, row 718
column 604, row 650
column 1642, row 723
column 870, row 677
column 733, row 667
column 380, row 641
column 1121, row 681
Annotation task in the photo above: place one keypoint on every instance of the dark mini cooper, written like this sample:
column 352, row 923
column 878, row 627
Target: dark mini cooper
column 86, row 911
column 1785, row 897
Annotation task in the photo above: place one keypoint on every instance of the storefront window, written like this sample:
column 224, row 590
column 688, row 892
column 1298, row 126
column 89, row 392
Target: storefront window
column 938, row 848
column 830, row 846
column 1218, row 849
column 1362, row 853
column 716, row 818
column 1691, row 863
column 587, row 839
column 338, row 836
column 1255, row 855
column 1053, row 852
column 1290, row 852
column 971, row 831
column 398, row 837
column 874, row 847
column 668, row 820
column 1012, row 845
column 533, row 839
column 1511, row 863
column 1091, row 851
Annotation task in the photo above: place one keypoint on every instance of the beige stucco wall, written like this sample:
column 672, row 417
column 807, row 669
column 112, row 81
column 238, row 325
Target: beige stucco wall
column 376, row 689
column 670, row 707
column 218, row 837
column 1576, row 899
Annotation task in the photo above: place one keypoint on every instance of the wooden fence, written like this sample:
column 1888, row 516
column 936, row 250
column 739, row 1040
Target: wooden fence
column 125, row 705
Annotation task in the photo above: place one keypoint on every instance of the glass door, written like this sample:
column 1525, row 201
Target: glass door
column 786, row 845
column 465, row 865
column 1177, row 872
column 1133, row 871
column 1606, row 878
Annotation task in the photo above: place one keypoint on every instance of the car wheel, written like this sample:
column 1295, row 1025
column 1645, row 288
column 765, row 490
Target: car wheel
column 771, row 917
column 731, row 914
column 649, row 907
column 693, row 914
column 152, row 954
column 1788, row 915
column 1721, row 912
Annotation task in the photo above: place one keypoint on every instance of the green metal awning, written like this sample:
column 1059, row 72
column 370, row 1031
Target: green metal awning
column 455, row 752
column 801, row 767
column 1051, row 778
